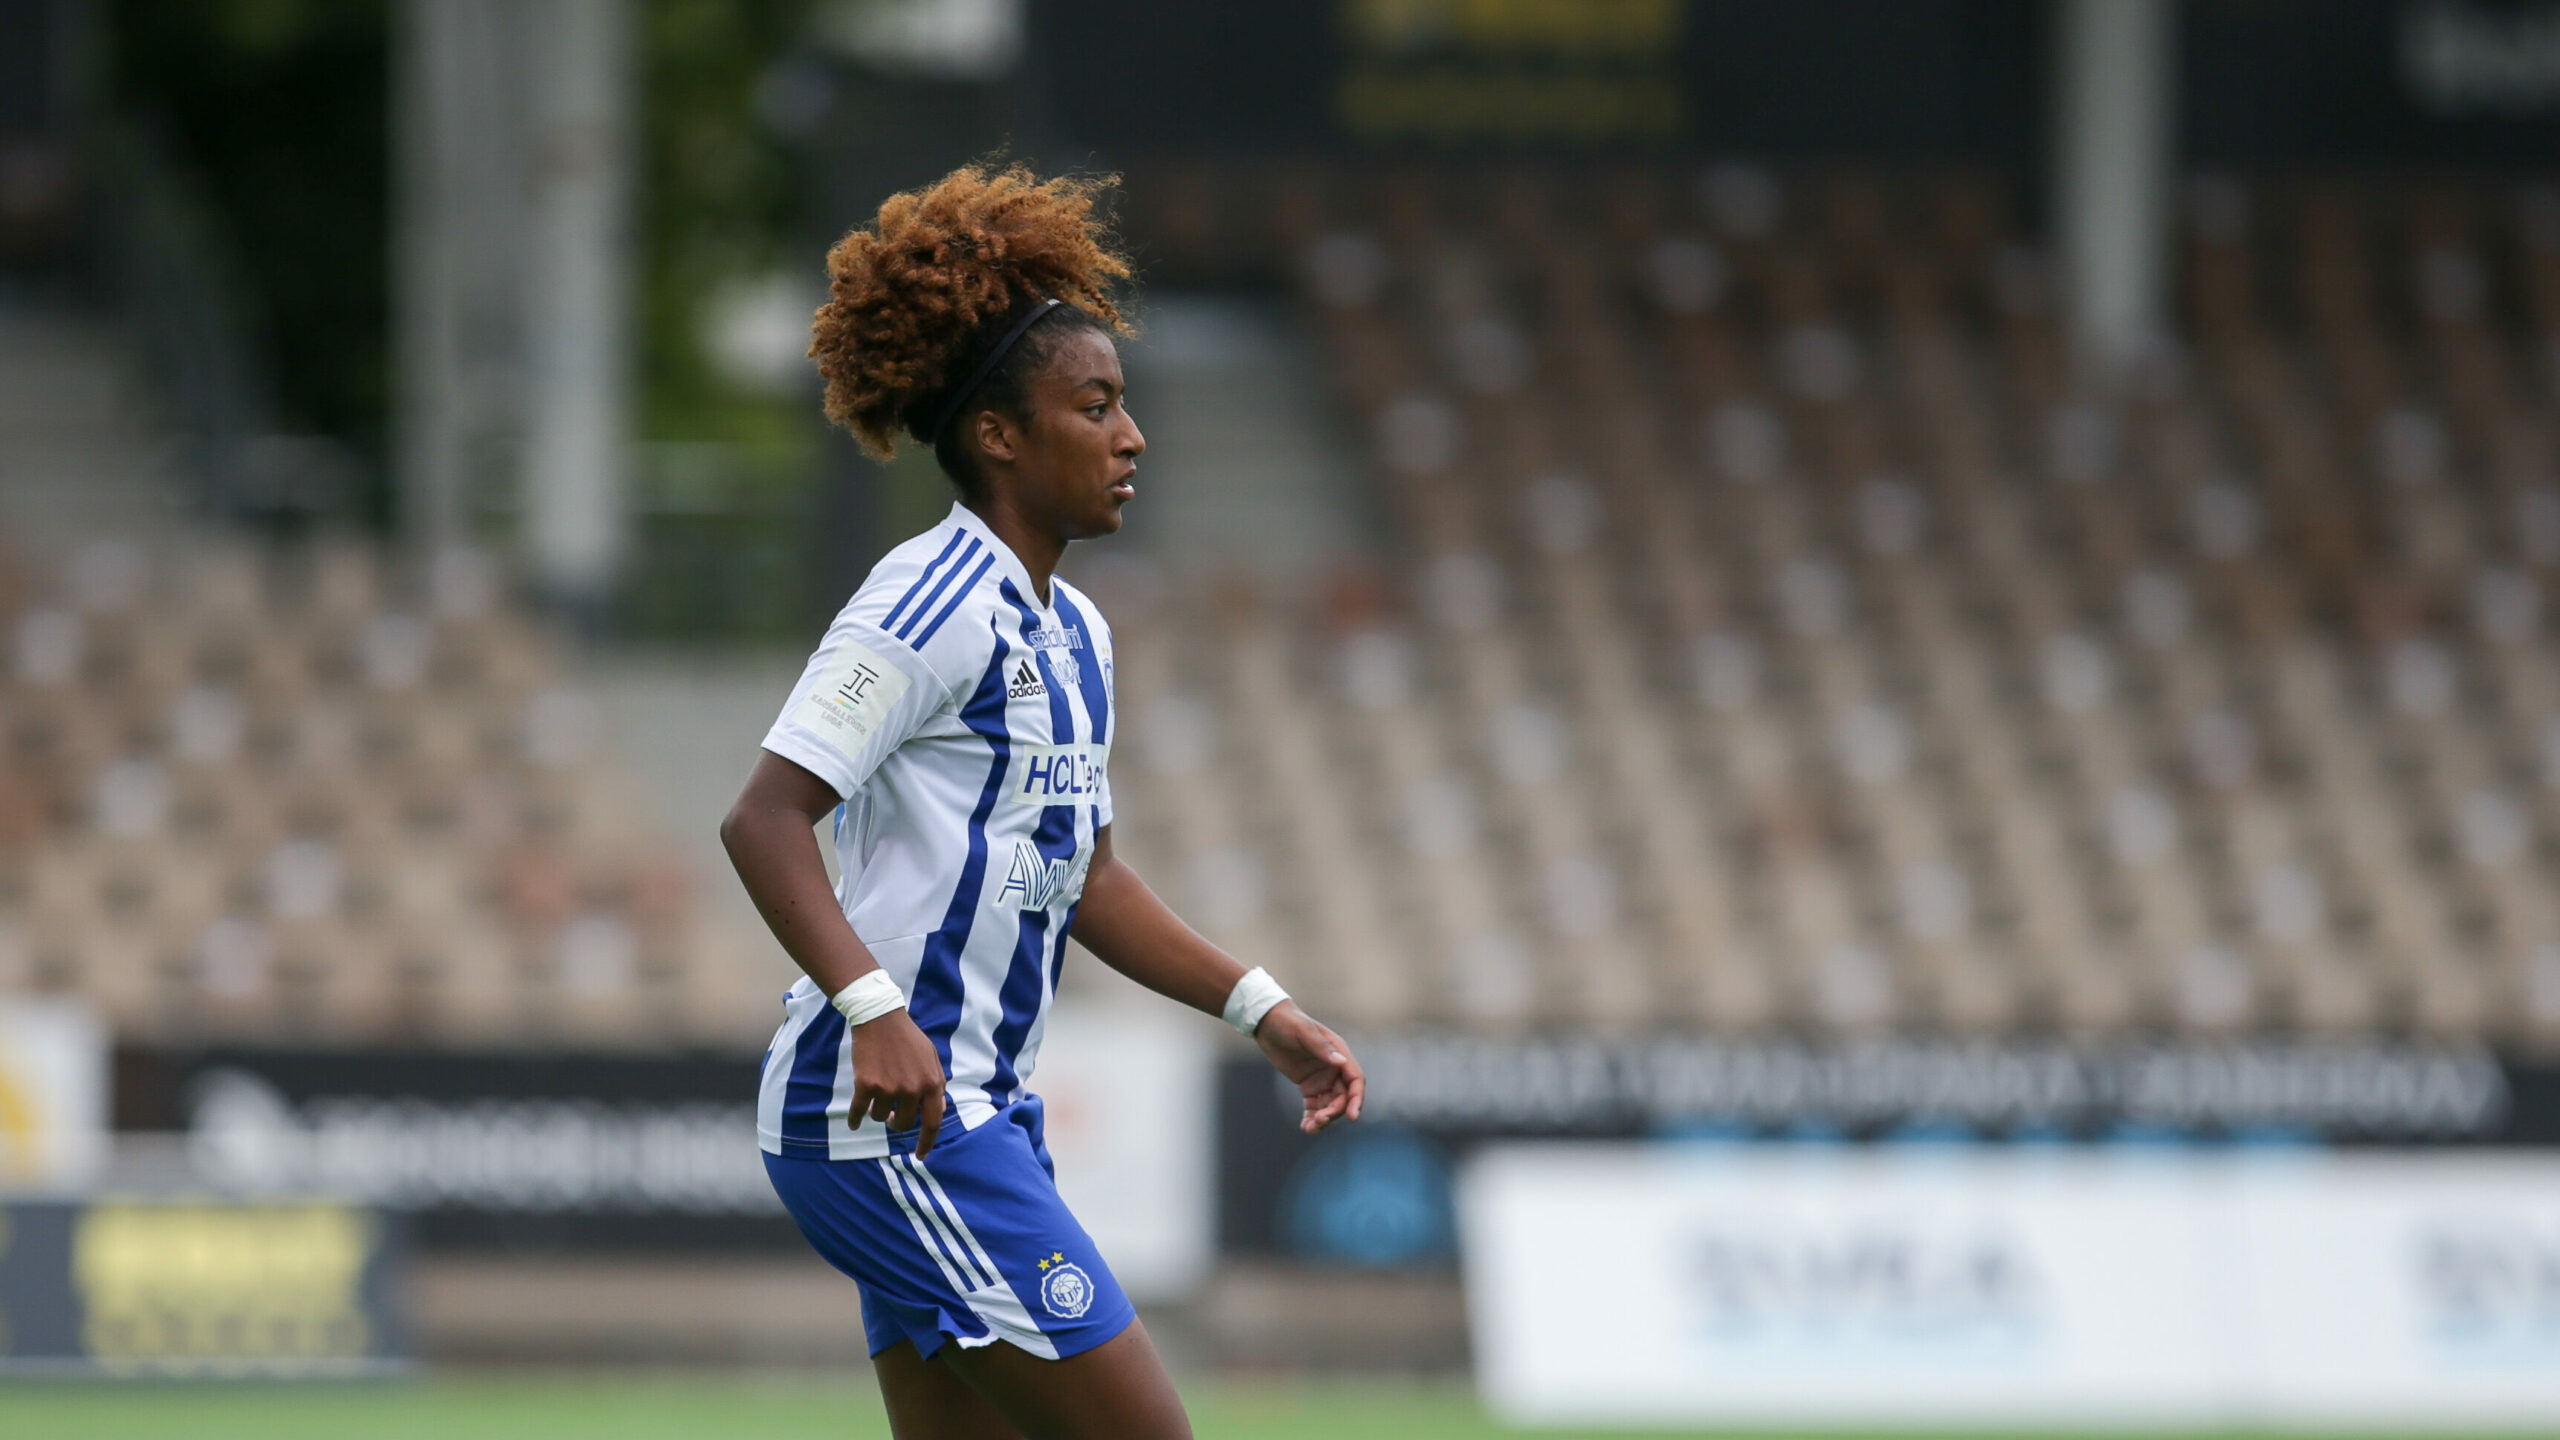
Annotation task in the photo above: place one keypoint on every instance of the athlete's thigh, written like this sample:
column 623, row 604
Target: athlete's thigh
column 1117, row 1390
column 929, row 1401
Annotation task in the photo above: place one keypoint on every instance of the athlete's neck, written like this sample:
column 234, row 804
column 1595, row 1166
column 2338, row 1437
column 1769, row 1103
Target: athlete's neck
column 1037, row 547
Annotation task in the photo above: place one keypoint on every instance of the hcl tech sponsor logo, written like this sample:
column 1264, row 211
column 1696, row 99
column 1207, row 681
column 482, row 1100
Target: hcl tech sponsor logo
column 1036, row 881
column 1883, row 1281
column 2490, row 1285
column 1060, row 775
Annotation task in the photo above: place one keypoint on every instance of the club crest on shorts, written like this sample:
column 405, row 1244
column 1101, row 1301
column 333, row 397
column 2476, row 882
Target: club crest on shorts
column 1064, row 1287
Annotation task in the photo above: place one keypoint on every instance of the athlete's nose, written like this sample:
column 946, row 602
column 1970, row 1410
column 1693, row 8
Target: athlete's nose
column 1134, row 444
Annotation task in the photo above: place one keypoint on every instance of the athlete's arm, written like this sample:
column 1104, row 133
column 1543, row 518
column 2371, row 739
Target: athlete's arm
column 1121, row 921
column 897, row 1075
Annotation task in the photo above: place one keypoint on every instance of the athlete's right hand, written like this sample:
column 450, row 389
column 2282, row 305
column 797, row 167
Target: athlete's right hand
column 897, row 1078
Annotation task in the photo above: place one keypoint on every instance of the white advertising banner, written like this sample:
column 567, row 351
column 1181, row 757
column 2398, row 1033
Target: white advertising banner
column 53, row 1094
column 2409, row 1288
column 1819, row 1285
column 1128, row 1100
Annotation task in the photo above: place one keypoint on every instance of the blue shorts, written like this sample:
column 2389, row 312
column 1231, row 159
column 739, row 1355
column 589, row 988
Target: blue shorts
column 971, row 1244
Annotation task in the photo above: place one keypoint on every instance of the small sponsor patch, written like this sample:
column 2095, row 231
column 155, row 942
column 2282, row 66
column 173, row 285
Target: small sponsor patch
column 1025, row 683
column 1036, row 881
column 1058, row 775
column 851, row 698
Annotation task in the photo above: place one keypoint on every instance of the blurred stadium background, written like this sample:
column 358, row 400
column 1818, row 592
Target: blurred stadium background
column 1840, row 598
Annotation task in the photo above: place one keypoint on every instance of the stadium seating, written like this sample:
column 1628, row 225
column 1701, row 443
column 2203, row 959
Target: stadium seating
column 1781, row 631
column 1778, row 631
column 281, row 797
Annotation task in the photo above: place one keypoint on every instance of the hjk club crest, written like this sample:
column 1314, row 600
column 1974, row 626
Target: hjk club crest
column 1064, row 1287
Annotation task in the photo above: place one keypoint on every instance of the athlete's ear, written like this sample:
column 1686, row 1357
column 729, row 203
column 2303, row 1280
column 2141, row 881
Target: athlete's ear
column 998, row 436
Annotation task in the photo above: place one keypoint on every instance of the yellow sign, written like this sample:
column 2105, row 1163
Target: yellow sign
column 1455, row 103
column 21, row 1126
column 1511, row 70
column 221, row 1286
column 1542, row 27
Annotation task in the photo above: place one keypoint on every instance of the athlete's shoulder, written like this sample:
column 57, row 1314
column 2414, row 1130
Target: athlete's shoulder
column 929, row 597
column 915, row 580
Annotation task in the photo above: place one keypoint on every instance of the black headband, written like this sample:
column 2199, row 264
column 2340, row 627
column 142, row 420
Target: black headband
column 986, row 367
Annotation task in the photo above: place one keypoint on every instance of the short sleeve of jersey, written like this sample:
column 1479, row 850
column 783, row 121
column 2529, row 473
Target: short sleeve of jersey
column 862, row 695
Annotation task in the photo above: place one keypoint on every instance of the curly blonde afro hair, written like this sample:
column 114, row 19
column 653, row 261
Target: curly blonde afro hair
column 916, row 301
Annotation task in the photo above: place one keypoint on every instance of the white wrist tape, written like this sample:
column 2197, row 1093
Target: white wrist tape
column 1252, row 999
column 868, row 998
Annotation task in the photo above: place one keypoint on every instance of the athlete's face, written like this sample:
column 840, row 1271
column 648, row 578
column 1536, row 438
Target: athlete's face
column 1078, row 454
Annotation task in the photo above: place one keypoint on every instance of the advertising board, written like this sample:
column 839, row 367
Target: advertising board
column 488, row 1151
column 1128, row 1096
column 1931, row 82
column 567, row 1153
column 1717, row 1284
column 1376, row 1195
column 197, row 1288
column 2405, row 1288
column 53, row 1094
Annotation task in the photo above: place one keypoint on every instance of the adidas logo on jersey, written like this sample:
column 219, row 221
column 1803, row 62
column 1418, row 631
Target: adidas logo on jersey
column 1026, row 683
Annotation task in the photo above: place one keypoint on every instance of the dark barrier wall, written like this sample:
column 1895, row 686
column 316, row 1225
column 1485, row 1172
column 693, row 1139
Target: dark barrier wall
column 2263, row 82
column 2379, row 82
column 1378, row 1194
column 500, row 1152
column 1923, row 79
column 484, row 1152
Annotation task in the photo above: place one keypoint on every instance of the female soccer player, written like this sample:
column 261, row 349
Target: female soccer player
column 957, row 720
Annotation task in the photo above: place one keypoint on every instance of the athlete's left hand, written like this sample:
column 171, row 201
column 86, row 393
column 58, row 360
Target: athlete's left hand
column 1328, row 1079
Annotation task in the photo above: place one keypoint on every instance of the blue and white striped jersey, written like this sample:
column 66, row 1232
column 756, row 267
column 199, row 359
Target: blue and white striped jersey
column 968, row 729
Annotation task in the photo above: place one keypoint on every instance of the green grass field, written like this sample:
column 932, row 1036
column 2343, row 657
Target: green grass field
column 654, row 1408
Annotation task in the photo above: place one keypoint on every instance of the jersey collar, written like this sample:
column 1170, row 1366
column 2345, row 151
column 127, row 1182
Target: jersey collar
column 1008, row 564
